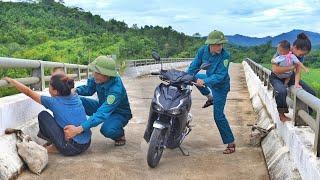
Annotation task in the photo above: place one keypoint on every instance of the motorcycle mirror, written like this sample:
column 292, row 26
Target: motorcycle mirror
column 156, row 56
column 205, row 66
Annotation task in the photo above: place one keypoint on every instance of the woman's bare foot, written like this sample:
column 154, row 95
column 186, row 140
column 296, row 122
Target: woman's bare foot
column 47, row 144
column 52, row 149
column 283, row 118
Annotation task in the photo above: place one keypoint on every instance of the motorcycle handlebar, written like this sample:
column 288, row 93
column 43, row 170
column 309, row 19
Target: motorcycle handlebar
column 194, row 83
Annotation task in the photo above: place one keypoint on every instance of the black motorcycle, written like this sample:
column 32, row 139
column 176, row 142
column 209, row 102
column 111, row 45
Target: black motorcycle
column 169, row 117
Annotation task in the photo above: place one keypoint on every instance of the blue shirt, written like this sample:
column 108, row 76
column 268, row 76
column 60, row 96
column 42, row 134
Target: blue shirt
column 68, row 110
column 217, row 74
column 112, row 97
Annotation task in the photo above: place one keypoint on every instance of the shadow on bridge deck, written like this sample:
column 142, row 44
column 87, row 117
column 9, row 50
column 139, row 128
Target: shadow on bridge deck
column 206, row 161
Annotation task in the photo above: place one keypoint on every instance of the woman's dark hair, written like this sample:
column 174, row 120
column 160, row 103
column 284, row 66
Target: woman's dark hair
column 302, row 42
column 62, row 84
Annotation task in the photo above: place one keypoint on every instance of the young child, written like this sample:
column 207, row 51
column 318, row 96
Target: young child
column 285, row 58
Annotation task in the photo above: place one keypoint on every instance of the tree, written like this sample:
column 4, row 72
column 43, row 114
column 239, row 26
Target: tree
column 47, row 2
column 197, row 35
column 135, row 27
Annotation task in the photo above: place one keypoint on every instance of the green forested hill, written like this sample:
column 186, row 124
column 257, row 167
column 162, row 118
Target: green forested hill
column 50, row 31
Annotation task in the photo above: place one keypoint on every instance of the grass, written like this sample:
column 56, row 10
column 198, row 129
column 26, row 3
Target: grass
column 7, row 91
column 312, row 78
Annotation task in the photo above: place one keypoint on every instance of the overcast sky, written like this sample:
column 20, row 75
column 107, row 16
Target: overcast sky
column 247, row 17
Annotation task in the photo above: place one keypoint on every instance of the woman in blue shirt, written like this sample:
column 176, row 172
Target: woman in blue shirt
column 67, row 109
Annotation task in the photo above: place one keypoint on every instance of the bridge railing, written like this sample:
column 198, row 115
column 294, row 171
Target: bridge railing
column 143, row 62
column 38, row 77
column 300, row 100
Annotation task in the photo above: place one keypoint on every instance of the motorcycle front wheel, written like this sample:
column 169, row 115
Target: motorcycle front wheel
column 156, row 147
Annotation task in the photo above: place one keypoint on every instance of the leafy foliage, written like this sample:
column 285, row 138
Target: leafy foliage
column 49, row 31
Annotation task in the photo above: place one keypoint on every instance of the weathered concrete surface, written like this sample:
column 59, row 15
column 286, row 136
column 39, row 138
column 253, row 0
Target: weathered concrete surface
column 287, row 149
column 17, row 111
column 206, row 161
column 278, row 159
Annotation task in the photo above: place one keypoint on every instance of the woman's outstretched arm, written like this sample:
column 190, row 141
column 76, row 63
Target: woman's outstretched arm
column 24, row 89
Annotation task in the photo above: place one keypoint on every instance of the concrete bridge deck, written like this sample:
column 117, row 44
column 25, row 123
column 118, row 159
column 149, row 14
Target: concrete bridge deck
column 206, row 161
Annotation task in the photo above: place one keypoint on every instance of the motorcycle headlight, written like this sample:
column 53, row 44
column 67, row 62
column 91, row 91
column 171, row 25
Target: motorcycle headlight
column 157, row 107
column 175, row 111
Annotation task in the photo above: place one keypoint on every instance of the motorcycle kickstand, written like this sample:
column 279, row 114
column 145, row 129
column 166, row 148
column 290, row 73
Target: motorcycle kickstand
column 182, row 151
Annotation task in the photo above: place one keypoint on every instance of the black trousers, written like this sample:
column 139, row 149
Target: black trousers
column 52, row 132
column 281, row 91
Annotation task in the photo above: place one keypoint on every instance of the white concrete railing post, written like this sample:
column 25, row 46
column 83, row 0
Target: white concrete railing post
column 87, row 72
column 298, row 105
column 65, row 68
column 78, row 72
column 317, row 134
column 39, row 72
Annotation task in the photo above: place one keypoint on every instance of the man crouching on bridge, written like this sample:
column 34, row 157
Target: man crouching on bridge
column 217, row 80
column 112, row 109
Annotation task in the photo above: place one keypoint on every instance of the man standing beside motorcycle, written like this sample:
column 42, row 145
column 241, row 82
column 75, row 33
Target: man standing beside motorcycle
column 215, row 84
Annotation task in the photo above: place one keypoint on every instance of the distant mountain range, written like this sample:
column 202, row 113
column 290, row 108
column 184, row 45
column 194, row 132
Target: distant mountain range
column 290, row 36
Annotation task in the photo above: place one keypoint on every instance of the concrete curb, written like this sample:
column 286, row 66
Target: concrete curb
column 287, row 149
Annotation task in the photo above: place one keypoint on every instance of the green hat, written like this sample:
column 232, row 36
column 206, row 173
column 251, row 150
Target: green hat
column 104, row 65
column 216, row 37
